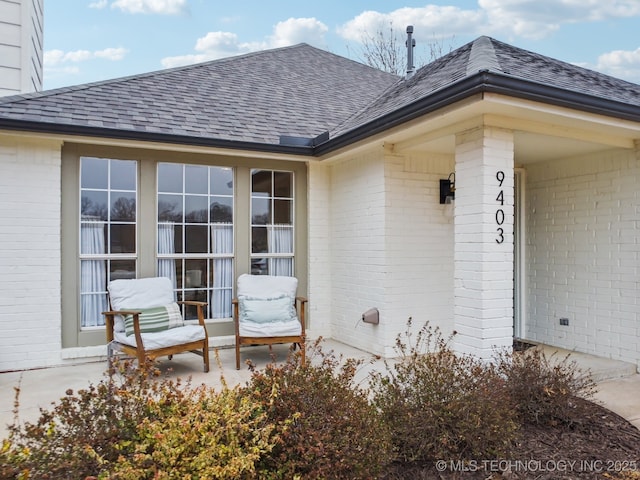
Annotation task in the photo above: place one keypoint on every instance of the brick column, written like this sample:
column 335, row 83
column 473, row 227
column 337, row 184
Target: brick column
column 483, row 251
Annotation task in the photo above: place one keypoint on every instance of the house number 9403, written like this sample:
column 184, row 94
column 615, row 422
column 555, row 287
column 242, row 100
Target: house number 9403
column 500, row 212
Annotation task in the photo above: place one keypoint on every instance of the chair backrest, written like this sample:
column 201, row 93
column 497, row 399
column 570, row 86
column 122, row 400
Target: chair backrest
column 140, row 293
column 266, row 286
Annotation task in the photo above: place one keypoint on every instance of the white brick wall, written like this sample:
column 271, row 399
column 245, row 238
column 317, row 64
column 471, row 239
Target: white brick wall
column 319, row 225
column 391, row 247
column 357, row 249
column 30, row 326
column 583, row 252
column 419, row 245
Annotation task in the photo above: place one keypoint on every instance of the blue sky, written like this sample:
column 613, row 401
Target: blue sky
column 93, row 40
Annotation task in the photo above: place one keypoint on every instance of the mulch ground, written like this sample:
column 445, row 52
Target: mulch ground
column 600, row 445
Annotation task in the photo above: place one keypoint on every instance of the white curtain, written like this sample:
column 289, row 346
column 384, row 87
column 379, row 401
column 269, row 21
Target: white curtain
column 222, row 241
column 93, row 275
column 166, row 244
column 280, row 238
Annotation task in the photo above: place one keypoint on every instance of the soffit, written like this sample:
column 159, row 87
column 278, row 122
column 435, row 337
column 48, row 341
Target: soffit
column 542, row 132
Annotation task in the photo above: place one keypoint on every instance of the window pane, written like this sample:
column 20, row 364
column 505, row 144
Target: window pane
column 282, row 212
column 170, row 208
column 282, row 184
column 93, row 205
column 123, row 175
column 92, row 238
column 221, row 209
column 261, row 183
column 169, row 178
column 196, row 273
column 122, row 269
column 221, row 181
column 178, row 243
column 123, row 207
column 196, row 209
column 123, row 238
column 222, row 238
column 195, row 240
column 196, row 179
column 260, row 214
column 259, row 266
column 259, row 240
column 93, row 173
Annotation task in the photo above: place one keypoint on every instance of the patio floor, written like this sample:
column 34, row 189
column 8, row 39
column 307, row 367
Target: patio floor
column 618, row 382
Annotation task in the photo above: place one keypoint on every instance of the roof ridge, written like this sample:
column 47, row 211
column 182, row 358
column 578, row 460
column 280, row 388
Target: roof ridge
column 483, row 56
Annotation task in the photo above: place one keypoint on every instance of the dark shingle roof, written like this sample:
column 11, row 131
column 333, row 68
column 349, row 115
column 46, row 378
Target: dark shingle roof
column 298, row 91
column 514, row 65
column 251, row 101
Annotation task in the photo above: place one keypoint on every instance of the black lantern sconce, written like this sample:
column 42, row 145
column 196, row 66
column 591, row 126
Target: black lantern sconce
column 448, row 189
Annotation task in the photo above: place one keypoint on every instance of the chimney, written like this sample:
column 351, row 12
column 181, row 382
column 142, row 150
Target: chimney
column 410, row 43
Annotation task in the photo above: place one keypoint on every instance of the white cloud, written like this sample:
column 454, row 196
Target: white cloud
column 162, row 7
column 525, row 18
column 621, row 64
column 216, row 45
column 432, row 20
column 298, row 30
column 539, row 18
column 53, row 58
column 99, row 4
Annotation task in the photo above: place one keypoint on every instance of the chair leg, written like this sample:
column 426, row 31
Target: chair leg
column 237, row 356
column 205, row 357
column 109, row 354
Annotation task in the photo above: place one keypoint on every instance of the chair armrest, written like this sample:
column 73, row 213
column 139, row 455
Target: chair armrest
column 302, row 299
column 199, row 306
column 136, row 324
column 192, row 302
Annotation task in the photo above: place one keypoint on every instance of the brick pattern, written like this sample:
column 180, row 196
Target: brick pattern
column 391, row 247
column 30, row 320
column 319, row 271
column 357, row 249
column 483, row 268
column 583, row 252
column 419, row 245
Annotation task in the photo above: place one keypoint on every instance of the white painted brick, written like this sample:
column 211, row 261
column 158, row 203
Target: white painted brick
column 582, row 252
column 30, row 258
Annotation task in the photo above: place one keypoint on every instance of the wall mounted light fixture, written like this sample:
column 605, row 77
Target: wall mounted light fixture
column 448, row 188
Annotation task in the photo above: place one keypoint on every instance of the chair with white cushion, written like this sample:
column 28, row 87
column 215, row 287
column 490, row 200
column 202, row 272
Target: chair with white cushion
column 267, row 311
column 146, row 322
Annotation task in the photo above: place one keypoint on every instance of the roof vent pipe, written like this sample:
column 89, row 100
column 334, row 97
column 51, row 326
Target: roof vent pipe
column 410, row 43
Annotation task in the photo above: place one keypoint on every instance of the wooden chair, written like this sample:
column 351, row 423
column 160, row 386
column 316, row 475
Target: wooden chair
column 267, row 311
column 146, row 322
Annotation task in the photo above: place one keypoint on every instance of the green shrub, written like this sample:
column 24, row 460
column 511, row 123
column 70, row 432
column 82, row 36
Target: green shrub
column 213, row 435
column 135, row 425
column 335, row 433
column 440, row 405
column 544, row 390
column 86, row 430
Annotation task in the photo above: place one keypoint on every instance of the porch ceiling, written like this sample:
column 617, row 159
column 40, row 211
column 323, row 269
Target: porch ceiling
column 541, row 132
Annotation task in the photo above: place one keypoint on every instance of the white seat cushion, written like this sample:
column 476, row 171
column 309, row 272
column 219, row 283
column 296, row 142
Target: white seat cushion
column 275, row 329
column 166, row 338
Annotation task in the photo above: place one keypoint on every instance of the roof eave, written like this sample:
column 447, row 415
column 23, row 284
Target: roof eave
column 154, row 137
column 484, row 82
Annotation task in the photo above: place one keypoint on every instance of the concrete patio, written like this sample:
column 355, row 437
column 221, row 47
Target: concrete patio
column 618, row 382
